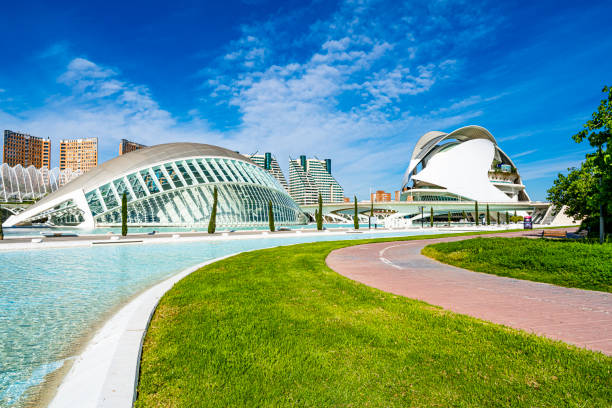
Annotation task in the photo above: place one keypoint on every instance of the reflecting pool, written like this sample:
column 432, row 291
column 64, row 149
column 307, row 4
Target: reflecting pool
column 51, row 298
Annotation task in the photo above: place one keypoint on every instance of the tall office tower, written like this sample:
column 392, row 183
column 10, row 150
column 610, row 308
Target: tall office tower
column 125, row 146
column 79, row 154
column 309, row 177
column 269, row 164
column 27, row 150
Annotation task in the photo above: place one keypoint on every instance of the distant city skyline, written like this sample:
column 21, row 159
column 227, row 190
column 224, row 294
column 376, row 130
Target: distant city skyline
column 358, row 82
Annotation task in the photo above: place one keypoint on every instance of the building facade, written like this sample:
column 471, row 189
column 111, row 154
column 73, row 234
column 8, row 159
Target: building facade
column 26, row 150
column 168, row 185
column 125, row 146
column 310, row 177
column 464, row 165
column 267, row 162
column 380, row 196
column 79, row 154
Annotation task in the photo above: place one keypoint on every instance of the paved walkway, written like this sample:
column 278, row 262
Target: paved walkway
column 576, row 316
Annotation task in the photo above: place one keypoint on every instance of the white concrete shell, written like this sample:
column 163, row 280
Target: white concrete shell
column 167, row 185
column 460, row 164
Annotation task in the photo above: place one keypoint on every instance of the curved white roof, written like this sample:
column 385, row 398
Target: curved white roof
column 462, row 169
column 135, row 160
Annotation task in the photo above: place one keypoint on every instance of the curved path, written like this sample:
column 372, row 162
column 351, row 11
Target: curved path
column 576, row 316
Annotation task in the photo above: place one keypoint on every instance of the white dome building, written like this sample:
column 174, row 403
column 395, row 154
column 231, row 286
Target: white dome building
column 167, row 185
column 466, row 164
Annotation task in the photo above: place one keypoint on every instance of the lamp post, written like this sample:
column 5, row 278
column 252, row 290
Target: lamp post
column 422, row 216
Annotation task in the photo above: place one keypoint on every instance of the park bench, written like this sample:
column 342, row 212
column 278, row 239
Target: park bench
column 553, row 234
column 564, row 234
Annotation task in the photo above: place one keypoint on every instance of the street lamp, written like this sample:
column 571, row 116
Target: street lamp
column 422, row 216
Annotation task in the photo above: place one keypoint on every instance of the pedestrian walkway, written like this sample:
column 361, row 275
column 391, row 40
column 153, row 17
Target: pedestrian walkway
column 576, row 316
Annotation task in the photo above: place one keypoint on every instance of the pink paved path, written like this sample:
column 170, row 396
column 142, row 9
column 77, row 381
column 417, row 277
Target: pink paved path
column 576, row 316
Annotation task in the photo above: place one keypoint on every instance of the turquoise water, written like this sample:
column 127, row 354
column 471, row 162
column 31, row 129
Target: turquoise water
column 50, row 298
column 36, row 231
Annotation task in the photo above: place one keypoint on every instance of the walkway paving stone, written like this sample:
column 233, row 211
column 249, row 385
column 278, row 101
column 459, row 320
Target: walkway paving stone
column 576, row 316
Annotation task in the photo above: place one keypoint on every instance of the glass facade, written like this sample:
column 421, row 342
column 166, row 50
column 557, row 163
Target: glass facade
column 180, row 193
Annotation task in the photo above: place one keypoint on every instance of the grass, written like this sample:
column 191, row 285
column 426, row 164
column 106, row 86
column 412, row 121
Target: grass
column 277, row 327
column 584, row 265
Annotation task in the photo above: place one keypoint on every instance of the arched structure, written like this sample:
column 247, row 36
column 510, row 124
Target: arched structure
column 466, row 164
column 168, row 185
column 19, row 184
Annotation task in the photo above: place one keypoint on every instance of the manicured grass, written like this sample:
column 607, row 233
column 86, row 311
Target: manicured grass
column 277, row 327
column 584, row 265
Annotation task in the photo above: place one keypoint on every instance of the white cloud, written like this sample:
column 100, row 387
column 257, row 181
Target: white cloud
column 345, row 98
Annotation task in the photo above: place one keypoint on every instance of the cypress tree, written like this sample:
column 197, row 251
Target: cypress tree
column 488, row 216
column 124, row 214
column 507, row 220
column 449, row 218
column 270, row 215
column 1, row 221
column 212, row 224
column 476, row 219
column 464, row 216
column 320, row 214
column 356, row 216
column 431, row 217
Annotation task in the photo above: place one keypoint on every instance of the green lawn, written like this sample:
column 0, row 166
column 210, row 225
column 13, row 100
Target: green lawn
column 276, row 327
column 585, row 265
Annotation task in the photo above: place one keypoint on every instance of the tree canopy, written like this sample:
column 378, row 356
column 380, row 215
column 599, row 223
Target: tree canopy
column 584, row 189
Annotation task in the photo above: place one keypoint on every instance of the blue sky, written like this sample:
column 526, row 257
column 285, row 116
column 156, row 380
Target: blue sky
column 355, row 81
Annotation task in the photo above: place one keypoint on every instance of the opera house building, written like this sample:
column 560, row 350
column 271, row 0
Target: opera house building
column 167, row 185
column 464, row 165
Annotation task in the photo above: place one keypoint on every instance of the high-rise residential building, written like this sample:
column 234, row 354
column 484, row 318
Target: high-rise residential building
column 27, row 150
column 269, row 164
column 380, row 197
column 125, row 146
column 310, row 177
column 79, row 154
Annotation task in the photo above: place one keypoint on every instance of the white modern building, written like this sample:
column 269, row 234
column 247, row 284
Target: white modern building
column 466, row 164
column 310, row 177
column 167, row 185
column 19, row 184
column 267, row 162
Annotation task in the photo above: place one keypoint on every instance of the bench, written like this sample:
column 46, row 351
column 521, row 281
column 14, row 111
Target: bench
column 553, row 234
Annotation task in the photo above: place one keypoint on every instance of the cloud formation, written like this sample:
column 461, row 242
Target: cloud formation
column 348, row 95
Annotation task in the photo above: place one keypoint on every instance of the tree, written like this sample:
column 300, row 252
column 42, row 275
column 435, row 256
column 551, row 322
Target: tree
column 507, row 220
column 476, row 212
column 212, row 224
column 431, row 217
column 320, row 214
column 124, row 214
column 1, row 221
column 587, row 191
column 270, row 215
column 371, row 213
column 356, row 216
column 488, row 216
column 464, row 216
column 449, row 218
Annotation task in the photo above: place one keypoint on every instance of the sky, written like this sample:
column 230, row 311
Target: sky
column 355, row 81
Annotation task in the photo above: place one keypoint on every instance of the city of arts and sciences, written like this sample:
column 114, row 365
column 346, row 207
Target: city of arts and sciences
column 184, row 272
